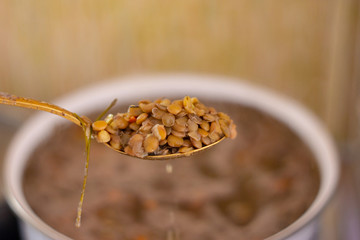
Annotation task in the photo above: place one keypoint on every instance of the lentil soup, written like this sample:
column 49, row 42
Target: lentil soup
column 247, row 188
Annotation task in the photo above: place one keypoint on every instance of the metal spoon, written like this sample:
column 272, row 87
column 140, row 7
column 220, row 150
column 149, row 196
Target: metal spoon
column 12, row 100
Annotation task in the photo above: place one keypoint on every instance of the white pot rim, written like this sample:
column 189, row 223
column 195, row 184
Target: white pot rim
column 291, row 113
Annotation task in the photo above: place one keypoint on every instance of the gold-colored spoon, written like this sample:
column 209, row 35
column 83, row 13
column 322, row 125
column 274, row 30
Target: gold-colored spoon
column 12, row 100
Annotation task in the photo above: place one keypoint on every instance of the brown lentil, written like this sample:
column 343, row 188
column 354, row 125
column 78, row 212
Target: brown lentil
column 141, row 118
column 210, row 117
column 136, row 145
column 188, row 105
column 174, row 141
column 187, row 143
column 161, row 107
column 157, row 113
column 174, row 108
column 182, row 120
column 179, row 127
column 159, row 131
column 115, row 141
column 225, row 128
column 214, row 136
column 146, row 107
column 151, row 143
column 164, row 126
column 103, row 136
column 119, row 122
column 182, row 113
column 99, row 125
column 194, row 135
column 168, row 131
column 202, row 132
column 185, row 149
column 178, row 134
column 196, row 143
column 215, row 127
column 224, row 116
column 133, row 126
column 192, row 126
column 111, row 130
column 165, row 102
column 205, row 140
column 134, row 110
column 196, row 119
column 168, row 120
column 205, row 125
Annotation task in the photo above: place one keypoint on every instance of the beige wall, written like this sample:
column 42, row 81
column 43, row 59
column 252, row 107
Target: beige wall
column 50, row 47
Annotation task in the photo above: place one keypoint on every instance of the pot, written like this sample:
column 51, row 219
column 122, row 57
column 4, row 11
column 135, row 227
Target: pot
column 287, row 111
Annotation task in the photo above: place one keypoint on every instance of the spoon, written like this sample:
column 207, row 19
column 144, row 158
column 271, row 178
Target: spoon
column 84, row 122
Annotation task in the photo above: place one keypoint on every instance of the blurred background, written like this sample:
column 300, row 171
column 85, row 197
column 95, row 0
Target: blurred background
column 308, row 50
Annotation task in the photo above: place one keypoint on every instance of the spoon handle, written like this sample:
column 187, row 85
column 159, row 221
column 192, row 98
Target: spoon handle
column 12, row 100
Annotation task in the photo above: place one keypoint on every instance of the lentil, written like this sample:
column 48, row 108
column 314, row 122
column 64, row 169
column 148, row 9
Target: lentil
column 161, row 107
column 168, row 120
column 196, row 143
column 174, row 141
column 119, row 122
column 151, row 143
column 134, row 110
column 205, row 125
column 164, row 126
column 115, row 141
column 205, row 140
column 103, row 136
column 111, row 130
column 178, row 134
column 182, row 120
column 133, row 126
column 182, row 113
column 142, row 117
column 202, row 132
column 196, row 119
column 188, row 105
column 192, row 126
column 165, row 102
column 210, row 117
column 180, row 128
column 136, row 145
column 99, row 125
column 187, row 143
column 185, row 149
column 224, row 127
column 146, row 107
column 174, row 108
column 157, row 113
column 159, row 131
column 194, row 135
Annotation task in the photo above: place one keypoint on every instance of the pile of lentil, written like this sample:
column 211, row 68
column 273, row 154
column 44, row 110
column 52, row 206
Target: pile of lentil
column 164, row 127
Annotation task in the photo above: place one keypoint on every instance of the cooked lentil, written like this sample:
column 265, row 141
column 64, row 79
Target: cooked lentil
column 164, row 126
